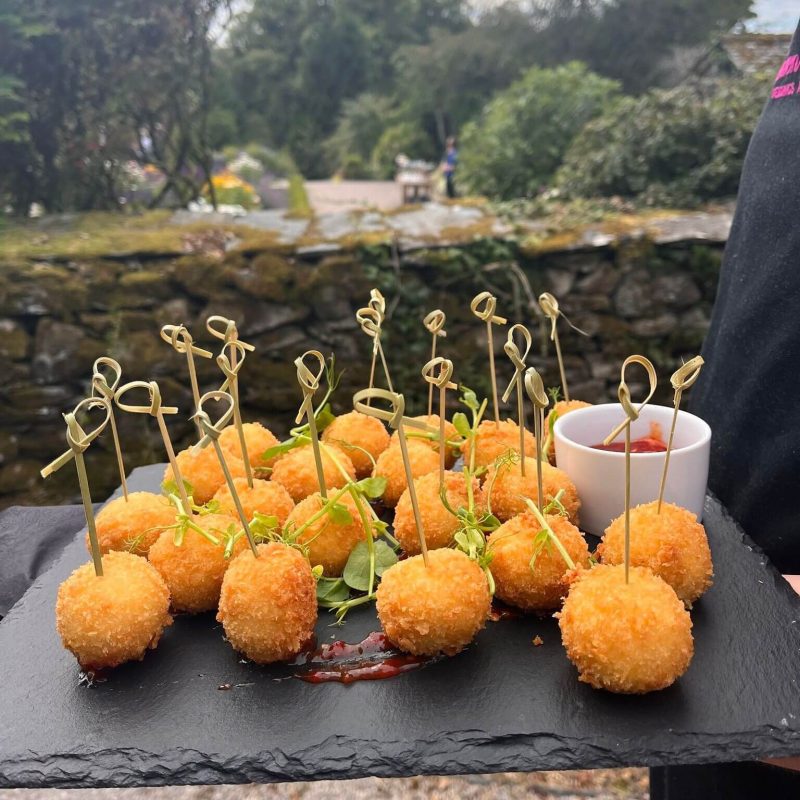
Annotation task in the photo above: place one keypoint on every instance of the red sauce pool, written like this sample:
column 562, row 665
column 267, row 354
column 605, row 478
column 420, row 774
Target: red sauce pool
column 646, row 444
column 370, row 660
column 652, row 443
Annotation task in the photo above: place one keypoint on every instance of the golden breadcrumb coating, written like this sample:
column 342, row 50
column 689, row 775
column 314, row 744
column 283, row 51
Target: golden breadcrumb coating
column 432, row 421
column 203, row 471
column 133, row 525
column 492, row 441
column 257, row 439
column 504, row 489
column 355, row 430
column 193, row 571
column 268, row 606
column 627, row 638
column 435, row 609
column 297, row 470
column 390, row 465
column 328, row 542
column 512, row 547
column 266, row 497
column 438, row 523
column 673, row 544
column 561, row 408
column 106, row 621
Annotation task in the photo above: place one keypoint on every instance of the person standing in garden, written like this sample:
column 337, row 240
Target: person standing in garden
column 449, row 164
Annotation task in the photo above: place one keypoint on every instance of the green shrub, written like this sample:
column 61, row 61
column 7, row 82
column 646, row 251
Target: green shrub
column 353, row 168
column 298, row 198
column 678, row 147
column 513, row 148
column 404, row 137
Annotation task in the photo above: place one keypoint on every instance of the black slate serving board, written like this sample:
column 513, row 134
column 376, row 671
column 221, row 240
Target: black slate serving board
column 502, row 705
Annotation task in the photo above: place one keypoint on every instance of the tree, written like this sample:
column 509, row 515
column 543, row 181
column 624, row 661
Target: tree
column 518, row 142
column 681, row 147
column 361, row 123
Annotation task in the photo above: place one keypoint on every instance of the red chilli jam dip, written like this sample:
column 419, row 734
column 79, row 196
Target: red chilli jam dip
column 652, row 443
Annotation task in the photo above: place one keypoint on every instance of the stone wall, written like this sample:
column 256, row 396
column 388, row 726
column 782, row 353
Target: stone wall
column 57, row 317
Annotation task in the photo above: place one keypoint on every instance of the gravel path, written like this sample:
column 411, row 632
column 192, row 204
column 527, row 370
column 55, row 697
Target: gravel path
column 623, row 784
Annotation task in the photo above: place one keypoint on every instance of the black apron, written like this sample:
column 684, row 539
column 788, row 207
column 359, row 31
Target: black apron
column 749, row 390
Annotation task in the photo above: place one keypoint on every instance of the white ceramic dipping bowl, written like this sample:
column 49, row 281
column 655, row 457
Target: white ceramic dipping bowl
column 599, row 475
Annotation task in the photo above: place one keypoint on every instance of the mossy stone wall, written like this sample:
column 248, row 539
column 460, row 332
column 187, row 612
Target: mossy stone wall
column 57, row 317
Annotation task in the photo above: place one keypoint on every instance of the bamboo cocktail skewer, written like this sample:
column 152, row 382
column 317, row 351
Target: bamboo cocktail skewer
column 230, row 366
column 681, row 379
column 102, row 388
column 534, row 386
column 79, row 440
column 397, row 421
column 631, row 415
column 483, row 306
column 309, row 383
column 442, row 381
column 434, row 324
column 181, row 340
column 518, row 360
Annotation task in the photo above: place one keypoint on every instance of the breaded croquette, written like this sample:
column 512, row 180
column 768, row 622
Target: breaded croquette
column 329, row 543
column 673, row 544
column 492, row 441
column 432, row 421
column 561, row 408
column 105, row 621
column 257, row 440
column 629, row 638
column 389, row 465
column 542, row 586
column 438, row 523
column 133, row 524
column 203, row 471
column 297, row 470
column 268, row 605
column 193, row 570
column 266, row 497
column 504, row 489
column 355, row 433
column 438, row 608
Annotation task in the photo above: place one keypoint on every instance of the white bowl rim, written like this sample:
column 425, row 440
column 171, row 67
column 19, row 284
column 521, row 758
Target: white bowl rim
column 700, row 443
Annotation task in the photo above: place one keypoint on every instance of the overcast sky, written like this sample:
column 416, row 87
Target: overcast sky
column 779, row 16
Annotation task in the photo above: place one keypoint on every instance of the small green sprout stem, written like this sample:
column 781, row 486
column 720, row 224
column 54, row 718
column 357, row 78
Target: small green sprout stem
column 550, row 532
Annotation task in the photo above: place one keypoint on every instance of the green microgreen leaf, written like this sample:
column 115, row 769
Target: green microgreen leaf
column 356, row 571
column 461, row 424
column 171, row 487
column 332, row 590
column 339, row 514
column 373, row 488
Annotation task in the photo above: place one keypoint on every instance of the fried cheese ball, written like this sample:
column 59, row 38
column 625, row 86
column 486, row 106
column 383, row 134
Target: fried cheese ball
column 329, row 543
column 512, row 546
column 432, row 421
column 673, row 544
column 268, row 605
column 390, row 465
column 438, row 608
column 561, row 408
column 504, row 489
column 133, row 524
column 355, row 432
column 626, row 638
column 297, row 470
column 193, row 570
column 493, row 441
column 204, row 472
column 106, row 621
column 438, row 524
column 266, row 497
column 257, row 440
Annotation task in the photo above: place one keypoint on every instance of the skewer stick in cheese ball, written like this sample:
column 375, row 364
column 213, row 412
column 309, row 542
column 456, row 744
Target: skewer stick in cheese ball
column 434, row 324
column 309, row 383
column 441, row 380
column 230, row 361
column 538, row 397
column 435, row 602
column 106, row 616
column 483, row 306
column 212, row 431
column 623, row 627
column 370, row 318
column 552, row 311
column 102, row 388
column 181, row 340
column 518, row 360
